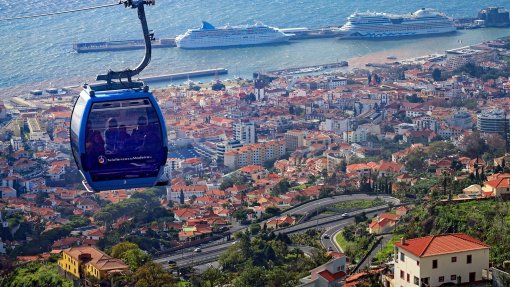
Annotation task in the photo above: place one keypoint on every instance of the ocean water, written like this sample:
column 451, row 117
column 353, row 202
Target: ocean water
column 40, row 49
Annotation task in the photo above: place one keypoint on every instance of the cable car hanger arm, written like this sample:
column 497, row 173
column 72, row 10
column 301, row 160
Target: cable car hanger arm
column 128, row 74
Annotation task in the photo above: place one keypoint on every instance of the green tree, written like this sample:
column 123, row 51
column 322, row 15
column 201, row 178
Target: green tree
column 441, row 149
column 255, row 228
column 135, row 258
column 152, row 274
column 474, row 145
column 35, row 274
column 281, row 187
column 213, row 277
column 121, row 248
column 414, row 161
column 218, row 86
column 273, row 210
column 252, row 276
column 131, row 254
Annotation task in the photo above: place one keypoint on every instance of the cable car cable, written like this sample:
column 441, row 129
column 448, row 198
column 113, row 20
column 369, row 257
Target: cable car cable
column 59, row 12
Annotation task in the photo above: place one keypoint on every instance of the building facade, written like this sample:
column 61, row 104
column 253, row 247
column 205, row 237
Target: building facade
column 492, row 121
column 88, row 262
column 244, row 132
column 440, row 259
column 294, row 139
column 254, row 154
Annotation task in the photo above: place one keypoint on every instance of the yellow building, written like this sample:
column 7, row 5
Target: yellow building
column 88, row 262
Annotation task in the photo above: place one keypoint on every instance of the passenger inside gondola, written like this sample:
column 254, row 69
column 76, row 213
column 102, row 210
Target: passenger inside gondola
column 111, row 136
column 123, row 138
column 95, row 143
column 138, row 136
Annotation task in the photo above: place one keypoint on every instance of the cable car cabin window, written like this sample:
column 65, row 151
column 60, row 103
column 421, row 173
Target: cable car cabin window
column 123, row 140
column 77, row 115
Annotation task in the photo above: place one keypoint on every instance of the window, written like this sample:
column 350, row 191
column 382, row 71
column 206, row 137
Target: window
column 416, row 281
column 402, row 257
column 469, row 258
column 454, row 259
column 441, row 279
column 402, row 274
column 434, row 264
column 120, row 135
column 418, row 263
column 408, row 278
column 453, row 277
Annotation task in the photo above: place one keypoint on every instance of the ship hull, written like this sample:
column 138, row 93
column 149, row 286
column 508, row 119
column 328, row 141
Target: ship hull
column 228, row 42
column 395, row 34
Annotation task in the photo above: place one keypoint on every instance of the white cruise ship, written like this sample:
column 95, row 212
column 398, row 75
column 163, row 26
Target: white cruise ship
column 425, row 21
column 209, row 36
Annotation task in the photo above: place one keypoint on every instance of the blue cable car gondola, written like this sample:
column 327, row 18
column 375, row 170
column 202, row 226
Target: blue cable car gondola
column 118, row 133
column 119, row 139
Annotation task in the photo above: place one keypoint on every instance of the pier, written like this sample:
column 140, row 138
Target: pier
column 122, row 45
column 308, row 69
column 185, row 75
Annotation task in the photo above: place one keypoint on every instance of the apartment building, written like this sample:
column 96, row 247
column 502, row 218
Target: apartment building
column 254, row 154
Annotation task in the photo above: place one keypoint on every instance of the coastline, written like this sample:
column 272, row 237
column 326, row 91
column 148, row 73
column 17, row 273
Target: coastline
column 368, row 52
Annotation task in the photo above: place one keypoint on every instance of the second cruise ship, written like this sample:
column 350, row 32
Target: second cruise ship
column 209, row 36
column 425, row 21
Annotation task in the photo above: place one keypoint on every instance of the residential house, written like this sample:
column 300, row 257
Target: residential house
column 383, row 223
column 499, row 187
column 281, row 222
column 182, row 193
column 438, row 260
column 7, row 192
column 89, row 262
column 330, row 274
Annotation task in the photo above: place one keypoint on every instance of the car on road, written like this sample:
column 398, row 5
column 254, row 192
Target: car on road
column 345, row 214
column 172, row 264
column 330, row 248
column 197, row 250
column 325, row 236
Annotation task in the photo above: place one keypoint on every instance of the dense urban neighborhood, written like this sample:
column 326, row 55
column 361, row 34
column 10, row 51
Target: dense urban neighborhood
column 397, row 174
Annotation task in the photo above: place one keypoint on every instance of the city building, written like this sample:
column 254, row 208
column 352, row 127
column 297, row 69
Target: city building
column 226, row 146
column 336, row 125
column 37, row 132
column 492, row 121
column 244, row 132
column 335, row 160
column 461, row 119
column 357, row 136
column 88, row 262
column 294, row 139
column 183, row 193
column 254, row 154
column 494, row 17
column 438, row 260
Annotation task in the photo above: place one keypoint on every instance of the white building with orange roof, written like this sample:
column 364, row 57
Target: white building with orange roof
column 499, row 187
column 254, row 154
column 438, row 260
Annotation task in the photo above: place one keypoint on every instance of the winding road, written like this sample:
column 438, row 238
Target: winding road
column 211, row 252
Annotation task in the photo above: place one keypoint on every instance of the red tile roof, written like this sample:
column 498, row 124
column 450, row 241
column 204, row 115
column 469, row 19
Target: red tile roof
column 332, row 276
column 441, row 244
